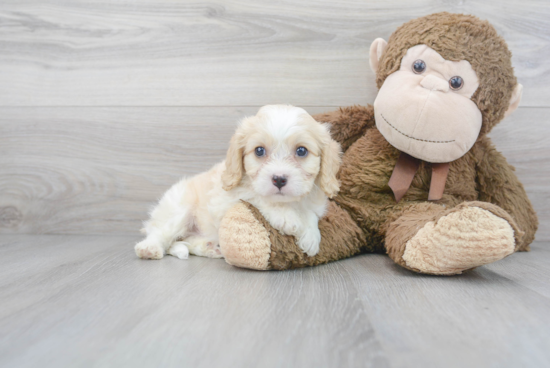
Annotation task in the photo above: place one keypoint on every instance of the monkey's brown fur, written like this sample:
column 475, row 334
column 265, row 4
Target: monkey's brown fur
column 365, row 217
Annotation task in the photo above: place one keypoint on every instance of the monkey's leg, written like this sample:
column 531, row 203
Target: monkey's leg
column 430, row 239
column 247, row 240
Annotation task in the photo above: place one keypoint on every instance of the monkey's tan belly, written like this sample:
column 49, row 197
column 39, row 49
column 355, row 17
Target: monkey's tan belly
column 365, row 173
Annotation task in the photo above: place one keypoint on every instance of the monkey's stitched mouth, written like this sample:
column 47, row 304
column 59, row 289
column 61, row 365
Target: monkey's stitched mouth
column 408, row 136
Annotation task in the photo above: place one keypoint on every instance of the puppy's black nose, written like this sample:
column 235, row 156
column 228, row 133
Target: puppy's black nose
column 278, row 181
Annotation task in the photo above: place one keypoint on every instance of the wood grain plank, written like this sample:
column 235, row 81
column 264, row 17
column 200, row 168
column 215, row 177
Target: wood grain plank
column 105, row 307
column 92, row 302
column 528, row 269
column 229, row 53
column 478, row 319
column 98, row 170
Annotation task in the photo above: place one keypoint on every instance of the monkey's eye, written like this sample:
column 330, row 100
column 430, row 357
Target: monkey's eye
column 456, row 83
column 419, row 66
column 301, row 151
column 259, row 151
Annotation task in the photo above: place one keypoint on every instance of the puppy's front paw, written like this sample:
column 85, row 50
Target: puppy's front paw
column 309, row 242
column 148, row 249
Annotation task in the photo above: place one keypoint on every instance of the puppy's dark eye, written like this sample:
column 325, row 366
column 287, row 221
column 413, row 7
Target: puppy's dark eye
column 456, row 83
column 419, row 66
column 259, row 151
column 301, row 151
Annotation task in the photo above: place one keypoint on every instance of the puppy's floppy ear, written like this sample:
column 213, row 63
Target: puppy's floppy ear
column 234, row 165
column 331, row 158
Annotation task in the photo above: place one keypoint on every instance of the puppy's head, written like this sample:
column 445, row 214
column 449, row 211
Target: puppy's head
column 285, row 153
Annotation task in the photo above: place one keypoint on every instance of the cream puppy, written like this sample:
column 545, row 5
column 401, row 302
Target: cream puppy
column 281, row 161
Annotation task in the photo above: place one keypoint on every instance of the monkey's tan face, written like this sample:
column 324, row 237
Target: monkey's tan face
column 425, row 108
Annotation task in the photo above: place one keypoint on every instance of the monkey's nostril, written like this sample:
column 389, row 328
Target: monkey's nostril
column 279, row 181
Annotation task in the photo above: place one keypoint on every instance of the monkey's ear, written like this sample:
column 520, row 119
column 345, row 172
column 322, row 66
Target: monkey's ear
column 376, row 49
column 514, row 100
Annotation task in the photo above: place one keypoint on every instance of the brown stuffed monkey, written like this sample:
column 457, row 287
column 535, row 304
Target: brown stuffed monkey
column 420, row 179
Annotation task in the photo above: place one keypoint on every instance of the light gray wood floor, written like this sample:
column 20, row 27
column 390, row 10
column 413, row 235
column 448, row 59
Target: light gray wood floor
column 88, row 301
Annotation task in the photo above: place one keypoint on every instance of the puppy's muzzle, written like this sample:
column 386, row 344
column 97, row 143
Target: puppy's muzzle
column 279, row 181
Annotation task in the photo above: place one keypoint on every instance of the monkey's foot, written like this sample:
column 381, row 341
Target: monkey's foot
column 244, row 241
column 463, row 239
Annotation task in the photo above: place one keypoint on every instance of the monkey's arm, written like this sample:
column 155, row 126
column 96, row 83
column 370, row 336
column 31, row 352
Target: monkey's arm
column 498, row 184
column 348, row 123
